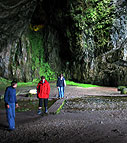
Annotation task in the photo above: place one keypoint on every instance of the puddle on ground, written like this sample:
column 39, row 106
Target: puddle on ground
column 95, row 103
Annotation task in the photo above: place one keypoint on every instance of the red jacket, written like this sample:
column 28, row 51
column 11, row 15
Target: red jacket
column 43, row 89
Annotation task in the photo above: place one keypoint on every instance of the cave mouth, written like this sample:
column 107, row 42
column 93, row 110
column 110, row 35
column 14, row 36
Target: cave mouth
column 66, row 31
column 45, row 11
column 52, row 14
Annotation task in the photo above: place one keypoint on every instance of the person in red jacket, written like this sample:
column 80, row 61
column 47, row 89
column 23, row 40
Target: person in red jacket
column 43, row 90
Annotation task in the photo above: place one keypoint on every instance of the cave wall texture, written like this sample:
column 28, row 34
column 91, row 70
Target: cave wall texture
column 15, row 17
column 84, row 39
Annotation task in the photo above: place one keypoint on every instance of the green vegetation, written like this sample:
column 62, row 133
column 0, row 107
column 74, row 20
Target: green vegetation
column 122, row 89
column 80, row 84
column 98, row 15
column 58, row 110
column 21, row 84
column 67, row 82
column 4, row 83
column 95, row 18
column 39, row 67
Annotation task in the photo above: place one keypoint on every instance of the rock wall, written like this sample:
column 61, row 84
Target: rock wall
column 15, row 18
column 16, row 60
column 69, row 41
column 27, row 58
column 111, row 67
column 26, row 54
column 52, row 48
column 106, row 65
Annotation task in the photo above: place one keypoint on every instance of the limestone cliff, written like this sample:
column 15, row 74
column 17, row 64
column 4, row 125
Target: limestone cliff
column 103, row 56
column 86, row 40
column 15, row 17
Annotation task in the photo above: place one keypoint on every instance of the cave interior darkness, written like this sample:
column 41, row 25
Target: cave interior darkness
column 47, row 14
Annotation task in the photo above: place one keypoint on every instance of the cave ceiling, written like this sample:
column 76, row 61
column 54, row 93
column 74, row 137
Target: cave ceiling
column 15, row 17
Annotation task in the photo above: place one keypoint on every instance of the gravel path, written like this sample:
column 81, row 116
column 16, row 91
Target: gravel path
column 102, row 126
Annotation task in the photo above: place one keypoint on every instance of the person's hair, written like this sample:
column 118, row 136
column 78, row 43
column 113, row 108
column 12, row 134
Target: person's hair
column 13, row 82
column 42, row 77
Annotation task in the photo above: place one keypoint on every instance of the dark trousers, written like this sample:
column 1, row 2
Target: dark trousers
column 41, row 102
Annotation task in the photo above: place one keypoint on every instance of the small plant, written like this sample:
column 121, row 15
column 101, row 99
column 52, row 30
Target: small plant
column 122, row 89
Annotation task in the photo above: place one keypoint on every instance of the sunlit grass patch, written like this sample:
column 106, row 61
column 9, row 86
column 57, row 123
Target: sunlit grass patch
column 80, row 84
column 4, row 83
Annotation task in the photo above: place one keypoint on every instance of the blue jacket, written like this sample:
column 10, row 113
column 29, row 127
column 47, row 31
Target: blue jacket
column 10, row 95
column 60, row 82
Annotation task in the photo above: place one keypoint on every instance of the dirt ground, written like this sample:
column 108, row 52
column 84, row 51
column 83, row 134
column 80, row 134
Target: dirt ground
column 71, row 125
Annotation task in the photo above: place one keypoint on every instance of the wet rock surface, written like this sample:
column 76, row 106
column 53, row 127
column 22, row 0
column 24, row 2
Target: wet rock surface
column 98, row 126
column 93, row 103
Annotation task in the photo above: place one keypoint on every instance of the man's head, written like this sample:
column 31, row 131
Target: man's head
column 43, row 79
column 14, row 84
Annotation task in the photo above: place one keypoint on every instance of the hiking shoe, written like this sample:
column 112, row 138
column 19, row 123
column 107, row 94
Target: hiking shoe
column 46, row 110
column 39, row 112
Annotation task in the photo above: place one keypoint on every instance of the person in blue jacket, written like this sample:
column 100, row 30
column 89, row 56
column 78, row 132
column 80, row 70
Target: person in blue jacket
column 10, row 104
column 60, row 85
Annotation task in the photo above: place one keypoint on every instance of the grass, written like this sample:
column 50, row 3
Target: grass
column 22, row 84
column 4, row 83
column 80, row 84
